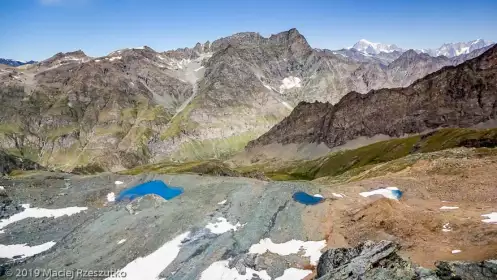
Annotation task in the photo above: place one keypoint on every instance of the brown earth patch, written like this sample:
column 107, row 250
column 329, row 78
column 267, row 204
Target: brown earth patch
column 416, row 221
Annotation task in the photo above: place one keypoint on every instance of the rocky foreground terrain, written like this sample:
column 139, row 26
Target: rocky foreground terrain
column 137, row 106
column 442, row 227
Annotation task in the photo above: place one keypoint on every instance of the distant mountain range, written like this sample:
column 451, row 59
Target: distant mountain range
column 375, row 48
column 136, row 106
column 459, row 96
column 365, row 50
column 449, row 50
column 15, row 63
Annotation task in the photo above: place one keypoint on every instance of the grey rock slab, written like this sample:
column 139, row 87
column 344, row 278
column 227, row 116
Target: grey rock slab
column 89, row 240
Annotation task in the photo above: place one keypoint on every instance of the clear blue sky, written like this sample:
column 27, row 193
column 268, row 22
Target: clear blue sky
column 37, row 29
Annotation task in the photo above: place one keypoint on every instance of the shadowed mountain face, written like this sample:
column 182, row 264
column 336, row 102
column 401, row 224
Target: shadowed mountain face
column 14, row 63
column 460, row 96
column 136, row 106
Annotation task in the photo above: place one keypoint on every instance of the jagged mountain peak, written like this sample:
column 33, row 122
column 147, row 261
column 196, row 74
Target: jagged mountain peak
column 290, row 37
column 194, row 89
column 449, row 50
column 67, row 57
column 394, row 112
column 458, row 48
column 374, row 48
column 412, row 54
column 77, row 53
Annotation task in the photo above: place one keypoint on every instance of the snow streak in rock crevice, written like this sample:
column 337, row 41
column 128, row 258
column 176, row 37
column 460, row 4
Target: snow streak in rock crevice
column 23, row 250
column 150, row 266
column 40, row 213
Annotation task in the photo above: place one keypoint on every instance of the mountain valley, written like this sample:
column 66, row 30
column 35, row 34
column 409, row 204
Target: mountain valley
column 251, row 158
column 139, row 106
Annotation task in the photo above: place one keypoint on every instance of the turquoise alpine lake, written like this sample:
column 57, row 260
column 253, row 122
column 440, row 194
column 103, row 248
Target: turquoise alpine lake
column 307, row 199
column 156, row 187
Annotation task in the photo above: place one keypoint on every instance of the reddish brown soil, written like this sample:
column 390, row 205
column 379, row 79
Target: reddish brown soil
column 416, row 221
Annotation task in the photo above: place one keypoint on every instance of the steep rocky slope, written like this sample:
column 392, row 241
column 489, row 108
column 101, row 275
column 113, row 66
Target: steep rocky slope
column 460, row 96
column 252, row 82
column 72, row 110
column 136, row 106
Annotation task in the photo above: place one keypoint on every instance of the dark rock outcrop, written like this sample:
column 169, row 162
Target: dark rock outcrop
column 368, row 260
column 460, row 96
column 9, row 162
column 380, row 261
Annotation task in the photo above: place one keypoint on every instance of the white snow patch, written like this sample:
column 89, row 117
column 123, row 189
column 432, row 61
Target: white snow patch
column 294, row 274
column 111, row 197
column 221, row 226
column 40, row 213
column 97, row 60
column 375, row 45
column 335, row 53
column 446, row 228
column 221, row 271
column 287, row 105
column 312, row 248
column 2, row 188
column 386, row 192
column 2, row 231
column 182, row 63
column 150, row 267
column 23, row 250
column 290, row 82
column 456, row 251
column 339, row 195
column 463, row 50
column 67, row 58
column 115, row 58
column 449, row 207
column 318, row 195
column 200, row 68
column 121, row 241
column 490, row 218
column 266, row 86
column 118, row 182
column 222, row 202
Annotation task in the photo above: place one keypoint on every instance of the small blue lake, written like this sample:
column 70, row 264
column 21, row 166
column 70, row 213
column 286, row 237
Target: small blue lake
column 307, row 199
column 397, row 194
column 156, row 187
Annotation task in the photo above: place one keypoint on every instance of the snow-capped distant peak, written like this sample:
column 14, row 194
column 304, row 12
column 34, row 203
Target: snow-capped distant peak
column 364, row 41
column 15, row 63
column 455, row 49
column 369, row 47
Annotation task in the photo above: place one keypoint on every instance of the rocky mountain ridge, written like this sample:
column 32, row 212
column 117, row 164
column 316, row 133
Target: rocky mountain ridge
column 456, row 49
column 368, row 47
column 136, row 106
column 460, row 96
column 15, row 63
column 449, row 50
